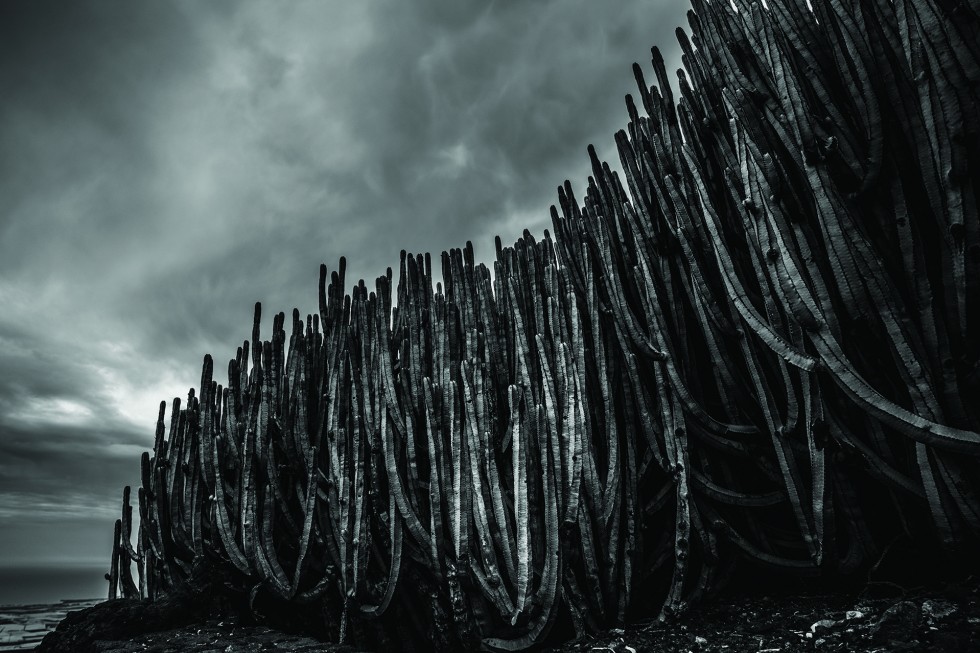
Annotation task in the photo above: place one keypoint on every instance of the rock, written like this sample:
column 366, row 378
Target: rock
column 898, row 624
column 700, row 641
column 851, row 615
column 936, row 610
column 823, row 624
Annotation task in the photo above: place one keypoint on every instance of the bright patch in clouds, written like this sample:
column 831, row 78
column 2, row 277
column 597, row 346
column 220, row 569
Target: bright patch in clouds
column 52, row 411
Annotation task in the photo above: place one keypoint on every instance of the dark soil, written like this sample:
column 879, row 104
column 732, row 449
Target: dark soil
column 944, row 619
column 880, row 617
column 211, row 637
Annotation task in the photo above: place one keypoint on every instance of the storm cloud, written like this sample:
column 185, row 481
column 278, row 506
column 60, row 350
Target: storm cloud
column 163, row 166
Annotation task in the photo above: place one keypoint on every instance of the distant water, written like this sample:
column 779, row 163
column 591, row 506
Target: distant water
column 33, row 584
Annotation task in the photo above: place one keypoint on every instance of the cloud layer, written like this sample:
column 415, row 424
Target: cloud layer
column 165, row 165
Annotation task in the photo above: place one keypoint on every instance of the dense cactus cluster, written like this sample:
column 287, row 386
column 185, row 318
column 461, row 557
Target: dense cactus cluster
column 759, row 341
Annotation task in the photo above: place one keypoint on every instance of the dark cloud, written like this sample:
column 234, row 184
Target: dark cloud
column 165, row 165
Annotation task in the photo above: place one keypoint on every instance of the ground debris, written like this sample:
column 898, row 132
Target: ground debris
column 943, row 619
column 938, row 620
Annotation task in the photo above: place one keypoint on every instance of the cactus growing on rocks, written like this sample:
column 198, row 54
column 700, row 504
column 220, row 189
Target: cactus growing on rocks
column 761, row 341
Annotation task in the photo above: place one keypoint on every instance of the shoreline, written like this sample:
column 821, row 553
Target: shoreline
column 24, row 625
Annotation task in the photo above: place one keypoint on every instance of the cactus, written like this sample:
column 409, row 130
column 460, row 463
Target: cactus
column 756, row 342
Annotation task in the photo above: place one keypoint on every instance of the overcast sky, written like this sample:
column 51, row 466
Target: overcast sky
column 164, row 165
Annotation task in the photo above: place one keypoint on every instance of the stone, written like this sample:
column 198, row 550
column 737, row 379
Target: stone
column 898, row 624
column 823, row 624
column 934, row 610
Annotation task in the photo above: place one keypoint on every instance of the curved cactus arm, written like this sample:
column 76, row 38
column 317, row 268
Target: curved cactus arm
column 433, row 437
column 193, row 494
column 493, row 591
column 887, row 412
column 614, row 494
column 590, row 562
column 676, row 446
column 709, row 488
column 630, row 523
column 271, row 573
column 331, row 478
column 577, row 424
column 126, row 553
column 520, row 492
column 275, row 471
column 249, row 494
column 877, row 465
column 546, row 595
column 309, row 509
column 398, row 493
column 818, row 462
column 860, row 544
column 388, row 383
column 394, row 569
column 927, row 474
column 709, row 568
column 502, row 526
column 359, row 532
column 737, row 295
column 162, row 526
column 127, row 524
column 958, row 488
column 644, row 410
column 784, row 453
column 225, row 526
column 621, row 310
column 484, row 534
column 459, row 511
column 726, row 531
column 687, row 401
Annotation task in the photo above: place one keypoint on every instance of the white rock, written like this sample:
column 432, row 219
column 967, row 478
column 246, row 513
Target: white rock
column 823, row 623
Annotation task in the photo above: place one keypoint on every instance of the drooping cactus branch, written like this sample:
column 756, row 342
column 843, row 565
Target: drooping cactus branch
column 759, row 341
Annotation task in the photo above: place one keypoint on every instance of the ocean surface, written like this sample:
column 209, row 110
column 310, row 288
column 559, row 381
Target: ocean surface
column 25, row 585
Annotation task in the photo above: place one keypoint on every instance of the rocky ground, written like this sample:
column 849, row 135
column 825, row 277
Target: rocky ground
column 943, row 618
column 215, row 637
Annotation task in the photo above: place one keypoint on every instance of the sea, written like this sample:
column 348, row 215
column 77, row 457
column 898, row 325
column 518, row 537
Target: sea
column 34, row 599
column 30, row 585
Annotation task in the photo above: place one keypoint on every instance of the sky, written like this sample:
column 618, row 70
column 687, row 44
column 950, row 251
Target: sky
column 165, row 165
